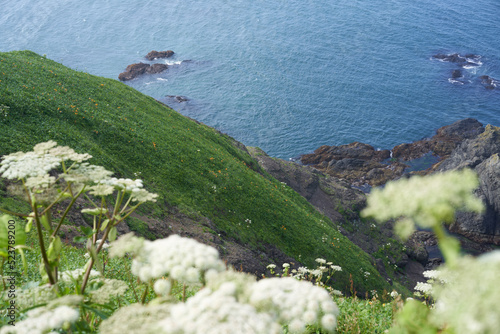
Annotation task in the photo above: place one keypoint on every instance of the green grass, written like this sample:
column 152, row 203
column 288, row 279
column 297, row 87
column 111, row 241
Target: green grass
column 191, row 166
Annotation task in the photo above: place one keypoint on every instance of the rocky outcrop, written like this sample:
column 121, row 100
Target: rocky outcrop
column 362, row 164
column 159, row 54
column 482, row 155
column 134, row 70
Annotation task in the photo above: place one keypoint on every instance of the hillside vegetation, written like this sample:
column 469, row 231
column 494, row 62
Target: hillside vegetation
column 194, row 168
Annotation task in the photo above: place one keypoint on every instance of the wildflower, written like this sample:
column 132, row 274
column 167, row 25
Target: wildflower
column 217, row 312
column 21, row 165
column 40, row 181
column 101, row 190
column 162, row 287
column 135, row 318
column 394, row 294
column 127, row 243
column 65, row 153
column 75, row 275
column 320, row 261
column 271, row 266
column 286, row 265
column 142, row 195
column 84, row 173
column 180, row 258
column 110, row 288
column 288, row 298
column 43, row 319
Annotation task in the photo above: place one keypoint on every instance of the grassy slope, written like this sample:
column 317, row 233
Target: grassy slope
column 191, row 166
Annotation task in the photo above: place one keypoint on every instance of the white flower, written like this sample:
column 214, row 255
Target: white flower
column 42, row 319
column 110, row 288
column 217, row 312
column 85, row 172
column 162, row 287
column 127, row 243
column 287, row 298
column 394, row 294
column 142, row 195
column 182, row 259
column 65, row 153
column 70, row 276
column 271, row 266
column 101, row 190
column 286, row 265
column 320, row 261
column 21, row 165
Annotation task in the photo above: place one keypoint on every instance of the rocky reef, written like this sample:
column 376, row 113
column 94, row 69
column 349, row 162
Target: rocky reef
column 134, row 70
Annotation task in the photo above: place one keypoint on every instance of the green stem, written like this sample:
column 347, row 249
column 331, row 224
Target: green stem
column 42, row 246
column 144, row 295
column 14, row 213
column 73, row 200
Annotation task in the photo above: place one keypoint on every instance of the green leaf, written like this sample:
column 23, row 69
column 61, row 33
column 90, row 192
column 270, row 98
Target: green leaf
column 88, row 231
column 11, row 232
column 112, row 234
column 104, row 224
column 27, row 229
column 46, row 223
column 80, row 239
column 54, row 251
column 97, row 312
column 97, row 261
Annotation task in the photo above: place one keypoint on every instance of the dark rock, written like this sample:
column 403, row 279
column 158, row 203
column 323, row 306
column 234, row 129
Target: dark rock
column 178, row 98
column 159, row 54
column 443, row 143
column 452, row 58
column 156, row 68
column 132, row 71
column 481, row 154
column 416, row 246
column 488, row 82
column 135, row 70
column 456, row 74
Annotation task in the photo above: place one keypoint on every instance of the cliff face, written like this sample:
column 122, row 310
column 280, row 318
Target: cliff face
column 463, row 144
column 482, row 155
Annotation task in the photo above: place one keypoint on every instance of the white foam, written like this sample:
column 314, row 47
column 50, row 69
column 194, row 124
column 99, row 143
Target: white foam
column 173, row 62
column 453, row 81
column 161, row 79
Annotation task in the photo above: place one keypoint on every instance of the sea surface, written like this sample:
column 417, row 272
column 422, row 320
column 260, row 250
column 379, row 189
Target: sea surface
column 285, row 75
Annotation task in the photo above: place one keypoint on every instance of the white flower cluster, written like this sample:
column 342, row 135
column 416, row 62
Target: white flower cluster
column 76, row 275
column 42, row 319
column 181, row 259
column 22, row 165
column 127, row 243
column 35, row 296
column 133, row 186
column 110, row 288
column 468, row 301
column 296, row 303
column 135, row 318
column 217, row 312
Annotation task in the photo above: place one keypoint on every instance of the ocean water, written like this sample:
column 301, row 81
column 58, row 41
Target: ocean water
column 285, row 75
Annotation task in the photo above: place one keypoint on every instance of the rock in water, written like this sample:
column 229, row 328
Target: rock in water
column 159, row 54
column 134, row 70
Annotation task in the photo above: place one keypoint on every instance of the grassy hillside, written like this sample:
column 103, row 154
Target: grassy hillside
column 191, row 166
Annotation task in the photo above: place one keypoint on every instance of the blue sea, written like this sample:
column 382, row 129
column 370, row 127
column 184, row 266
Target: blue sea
column 285, row 75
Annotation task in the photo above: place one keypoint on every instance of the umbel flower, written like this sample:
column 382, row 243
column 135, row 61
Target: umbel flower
column 181, row 259
column 474, row 312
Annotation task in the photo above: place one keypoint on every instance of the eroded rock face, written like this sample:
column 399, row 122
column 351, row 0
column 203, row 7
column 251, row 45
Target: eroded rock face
column 159, row 54
column 482, row 155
